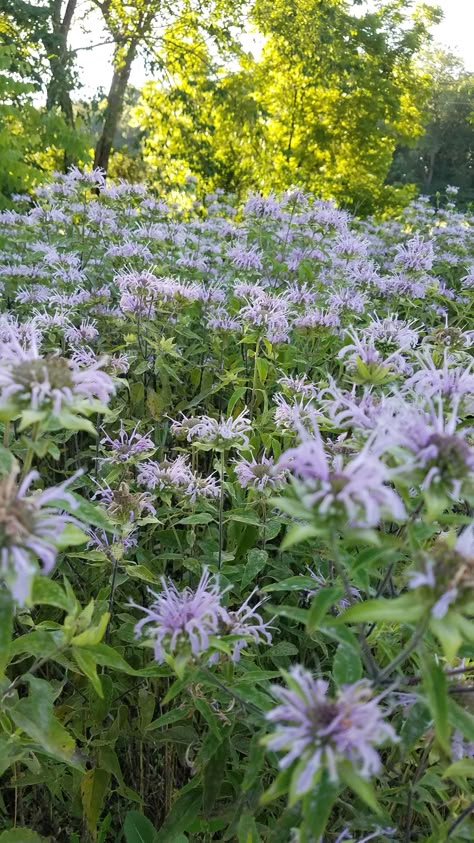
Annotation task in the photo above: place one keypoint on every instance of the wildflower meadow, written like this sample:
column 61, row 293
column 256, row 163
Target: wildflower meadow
column 236, row 518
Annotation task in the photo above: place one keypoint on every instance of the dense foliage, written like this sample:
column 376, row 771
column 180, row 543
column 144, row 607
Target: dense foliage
column 342, row 98
column 236, row 520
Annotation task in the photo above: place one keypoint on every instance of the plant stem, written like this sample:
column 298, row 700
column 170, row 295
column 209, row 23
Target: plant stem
column 416, row 637
column 221, row 510
column 30, row 453
column 366, row 652
column 236, row 697
column 255, row 378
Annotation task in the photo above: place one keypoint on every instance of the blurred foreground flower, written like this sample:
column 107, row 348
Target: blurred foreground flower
column 356, row 491
column 319, row 731
column 30, row 526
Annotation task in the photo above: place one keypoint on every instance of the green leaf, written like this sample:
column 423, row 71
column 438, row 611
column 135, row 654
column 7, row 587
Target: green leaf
column 317, row 806
column 346, row 667
column 46, row 592
column 90, row 514
column 299, row 583
column 247, row 830
column 70, row 421
column 94, row 787
column 361, row 787
column 448, row 634
column 405, row 609
column 93, row 635
column 213, row 778
column 294, row 613
column 86, row 663
column 415, row 725
column 321, row 602
column 197, row 518
column 464, row 767
column 184, row 811
column 461, row 719
column 6, row 629
column 138, row 829
column 140, row 572
column 6, row 460
column 235, row 397
column 35, row 715
column 21, row 835
column 297, row 534
column 256, row 561
column 71, row 536
column 435, row 685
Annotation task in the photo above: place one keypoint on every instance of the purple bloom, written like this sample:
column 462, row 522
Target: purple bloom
column 439, row 454
column 127, row 446
column 248, row 622
column 259, row 474
column 343, row 603
column 219, row 434
column 183, row 621
column 124, row 505
column 450, row 382
column 460, row 747
column 319, row 731
column 415, row 255
column 356, row 491
column 30, row 525
column 31, row 381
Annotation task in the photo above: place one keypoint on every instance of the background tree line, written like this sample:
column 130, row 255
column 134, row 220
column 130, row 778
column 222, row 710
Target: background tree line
column 349, row 103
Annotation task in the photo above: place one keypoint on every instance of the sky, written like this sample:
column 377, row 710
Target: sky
column 456, row 32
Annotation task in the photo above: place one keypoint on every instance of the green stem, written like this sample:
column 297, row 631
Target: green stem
column 253, row 396
column 221, row 510
column 6, row 434
column 407, row 650
column 366, row 652
column 30, row 453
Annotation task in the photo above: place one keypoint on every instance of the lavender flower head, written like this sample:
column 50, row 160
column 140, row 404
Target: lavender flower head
column 127, row 447
column 260, row 474
column 30, row 525
column 218, row 434
column 356, row 491
column 182, row 622
column 320, row 731
column 51, row 383
column 247, row 621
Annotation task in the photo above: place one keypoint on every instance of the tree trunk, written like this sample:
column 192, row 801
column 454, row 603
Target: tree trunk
column 59, row 88
column 114, row 109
